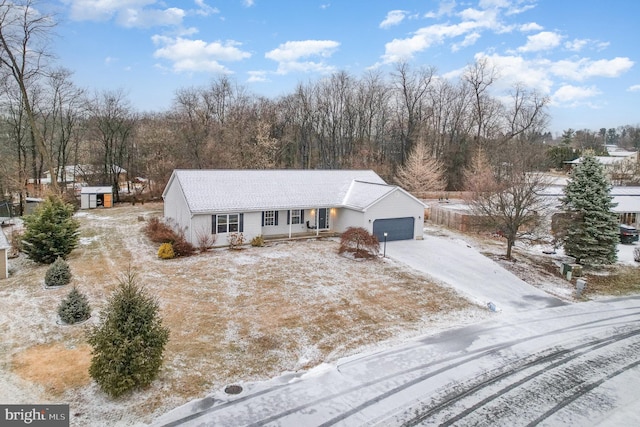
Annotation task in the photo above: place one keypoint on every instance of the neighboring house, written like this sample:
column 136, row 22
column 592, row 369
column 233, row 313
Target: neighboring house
column 77, row 176
column 286, row 203
column 627, row 200
column 620, row 165
column 4, row 249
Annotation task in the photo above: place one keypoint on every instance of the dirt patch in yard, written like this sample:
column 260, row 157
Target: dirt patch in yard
column 54, row 366
column 234, row 316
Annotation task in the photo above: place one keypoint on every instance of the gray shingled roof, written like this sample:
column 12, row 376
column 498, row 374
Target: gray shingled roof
column 256, row 190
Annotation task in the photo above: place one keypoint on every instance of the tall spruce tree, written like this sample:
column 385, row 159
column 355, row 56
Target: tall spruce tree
column 591, row 233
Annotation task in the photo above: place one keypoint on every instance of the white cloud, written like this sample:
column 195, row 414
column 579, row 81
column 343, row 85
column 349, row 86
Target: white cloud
column 197, row 55
column 134, row 13
column 446, row 8
column 634, row 88
column 128, row 13
column 531, row 26
column 544, row 40
column 204, row 9
column 584, row 68
column 394, row 17
column 608, row 67
column 572, row 94
column 576, row 44
column 469, row 40
column 290, row 55
column 257, row 77
column 147, row 18
column 473, row 23
column 248, row 3
column 514, row 69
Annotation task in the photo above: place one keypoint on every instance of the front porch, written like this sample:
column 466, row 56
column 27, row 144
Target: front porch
column 301, row 235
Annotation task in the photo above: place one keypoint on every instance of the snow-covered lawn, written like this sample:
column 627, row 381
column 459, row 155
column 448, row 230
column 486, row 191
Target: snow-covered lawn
column 234, row 316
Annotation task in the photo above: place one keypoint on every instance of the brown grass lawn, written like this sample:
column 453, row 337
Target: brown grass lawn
column 234, row 316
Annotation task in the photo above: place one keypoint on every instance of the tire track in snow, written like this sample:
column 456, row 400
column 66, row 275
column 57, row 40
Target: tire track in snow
column 458, row 360
column 565, row 356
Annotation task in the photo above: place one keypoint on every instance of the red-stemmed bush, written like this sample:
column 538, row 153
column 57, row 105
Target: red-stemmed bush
column 359, row 242
column 160, row 232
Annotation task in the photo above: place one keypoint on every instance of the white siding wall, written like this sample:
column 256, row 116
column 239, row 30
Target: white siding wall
column 283, row 227
column 175, row 208
column 346, row 218
column 201, row 224
column 251, row 227
column 397, row 205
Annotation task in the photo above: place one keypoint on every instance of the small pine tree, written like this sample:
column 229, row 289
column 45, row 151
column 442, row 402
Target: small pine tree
column 58, row 273
column 74, row 308
column 129, row 341
column 591, row 235
column 51, row 231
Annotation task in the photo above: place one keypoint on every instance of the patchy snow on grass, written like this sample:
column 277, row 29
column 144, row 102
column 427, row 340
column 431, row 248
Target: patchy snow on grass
column 234, row 316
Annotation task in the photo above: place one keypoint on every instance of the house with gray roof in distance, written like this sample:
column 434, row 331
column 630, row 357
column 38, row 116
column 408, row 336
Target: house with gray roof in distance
column 289, row 203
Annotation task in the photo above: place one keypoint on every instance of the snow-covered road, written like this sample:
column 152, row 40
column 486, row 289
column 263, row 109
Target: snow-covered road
column 571, row 365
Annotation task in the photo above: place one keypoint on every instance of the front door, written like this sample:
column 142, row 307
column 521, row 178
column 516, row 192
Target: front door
column 323, row 218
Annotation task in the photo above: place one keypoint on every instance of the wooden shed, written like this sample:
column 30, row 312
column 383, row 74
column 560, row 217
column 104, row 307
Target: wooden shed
column 93, row 197
column 4, row 249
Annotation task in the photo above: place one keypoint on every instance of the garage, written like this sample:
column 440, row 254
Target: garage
column 396, row 228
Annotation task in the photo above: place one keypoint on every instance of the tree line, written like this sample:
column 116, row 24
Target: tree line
column 372, row 121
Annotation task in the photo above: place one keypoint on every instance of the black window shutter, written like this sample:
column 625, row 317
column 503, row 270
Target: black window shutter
column 276, row 220
column 288, row 217
column 214, row 226
column 301, row 216
column 241, row 225
column 263, row 218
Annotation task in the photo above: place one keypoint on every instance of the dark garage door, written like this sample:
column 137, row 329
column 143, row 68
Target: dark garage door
column 396, row 228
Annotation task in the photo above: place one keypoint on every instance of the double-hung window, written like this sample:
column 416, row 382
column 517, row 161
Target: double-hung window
column 226, row 223
column 296, row 217
column 270, row 218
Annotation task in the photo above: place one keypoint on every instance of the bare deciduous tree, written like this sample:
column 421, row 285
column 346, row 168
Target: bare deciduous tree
column 112, row 124
column 516, row 209
column 23, row 53
column 478, row 176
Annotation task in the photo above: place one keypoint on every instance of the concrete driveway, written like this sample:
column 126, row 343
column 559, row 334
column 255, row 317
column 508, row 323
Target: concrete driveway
column 457, row 264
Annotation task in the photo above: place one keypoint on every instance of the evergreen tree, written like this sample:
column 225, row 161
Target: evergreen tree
column 58, row 273
column 129, row 341
column 591, row 234
column 74, row 308
column 51, row 231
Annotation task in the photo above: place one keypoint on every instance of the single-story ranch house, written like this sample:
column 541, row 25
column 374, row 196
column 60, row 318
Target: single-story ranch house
column 288, row 203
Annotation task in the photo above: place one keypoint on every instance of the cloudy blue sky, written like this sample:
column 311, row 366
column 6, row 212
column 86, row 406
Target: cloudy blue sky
column 583, row 54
